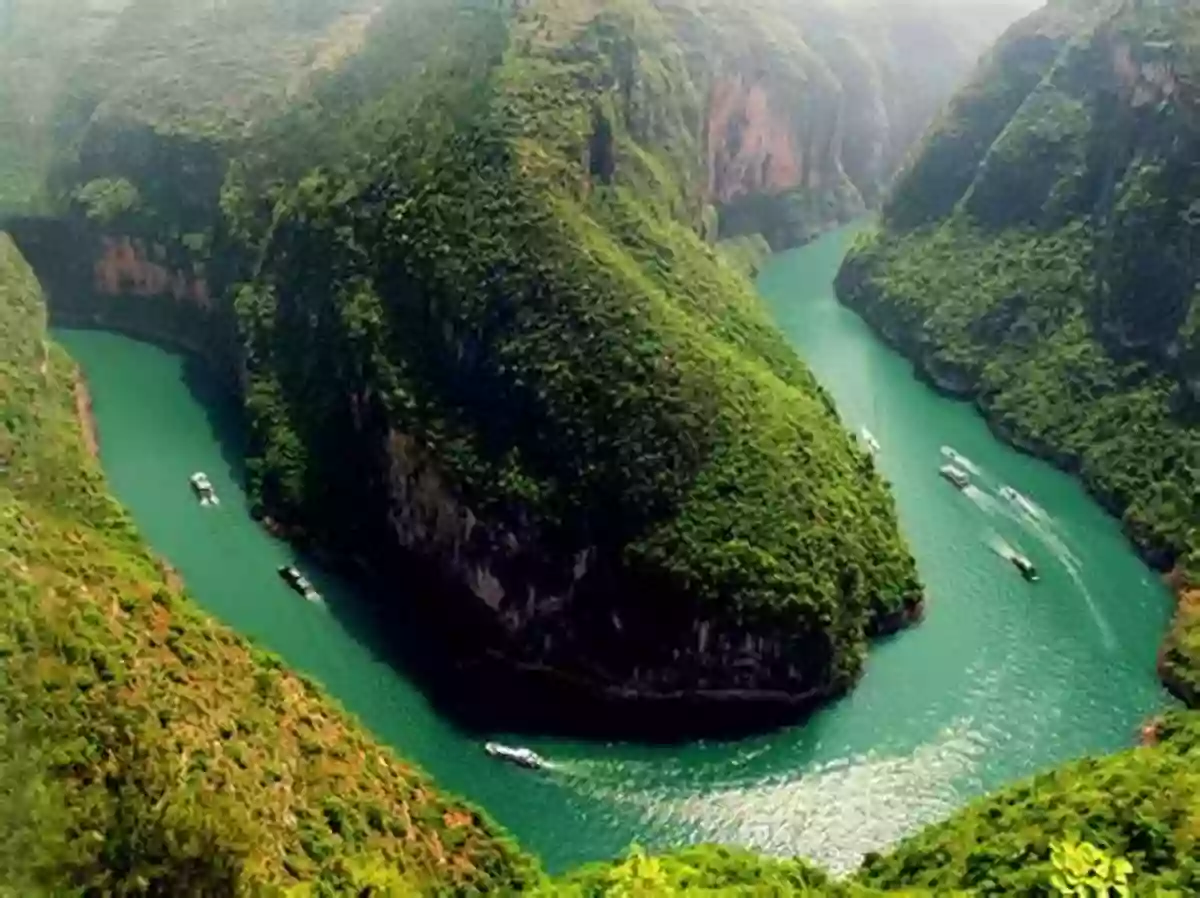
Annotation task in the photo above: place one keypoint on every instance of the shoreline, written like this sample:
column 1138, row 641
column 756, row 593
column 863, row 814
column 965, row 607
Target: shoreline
column 1186, row 597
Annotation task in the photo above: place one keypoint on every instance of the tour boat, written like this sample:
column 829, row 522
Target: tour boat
column 297, row 581
column 955, row 475
column 1025, row 566
column 524, row 757
column 203, row 489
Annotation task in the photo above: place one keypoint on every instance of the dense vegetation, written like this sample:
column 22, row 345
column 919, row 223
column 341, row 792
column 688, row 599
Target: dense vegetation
column 146, row 750
column 1040, row 256
column 468, row 252
column 436, row 245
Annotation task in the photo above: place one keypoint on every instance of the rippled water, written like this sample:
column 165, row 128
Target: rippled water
column 1003, row 677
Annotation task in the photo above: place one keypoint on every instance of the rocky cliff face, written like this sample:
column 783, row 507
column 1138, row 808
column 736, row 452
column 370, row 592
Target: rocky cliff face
column 813, row 106
column 1042, row 247
column 480, row 334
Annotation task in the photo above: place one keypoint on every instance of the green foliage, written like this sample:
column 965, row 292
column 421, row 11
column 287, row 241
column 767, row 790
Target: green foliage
column 1088, row 872
column 146, row 750
column 1054, row 281
column 701, row 871
column 561, row 344
column 104, row 200
column 1140, row 806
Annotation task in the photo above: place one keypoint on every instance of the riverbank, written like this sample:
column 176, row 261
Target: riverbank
column 167, row 755
column 1179, row 656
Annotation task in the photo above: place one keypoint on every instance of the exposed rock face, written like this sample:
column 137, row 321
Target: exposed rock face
column 813, row 110
column 750, row 143
column 127, row 266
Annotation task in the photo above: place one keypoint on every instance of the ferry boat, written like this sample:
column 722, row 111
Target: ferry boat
column 1025, row 566
column 523, row 757
column 203, row 489
column 292, row 577
column 955, row 475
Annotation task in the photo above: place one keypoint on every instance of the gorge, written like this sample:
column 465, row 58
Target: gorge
column 439, row 251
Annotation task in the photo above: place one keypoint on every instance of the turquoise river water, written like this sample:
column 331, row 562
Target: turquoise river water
column 1002, row 678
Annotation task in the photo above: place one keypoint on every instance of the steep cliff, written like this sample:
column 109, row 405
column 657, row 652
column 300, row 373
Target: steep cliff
column 145, row 750
column 811, row 107
column 456, row 257
column 1040, row 256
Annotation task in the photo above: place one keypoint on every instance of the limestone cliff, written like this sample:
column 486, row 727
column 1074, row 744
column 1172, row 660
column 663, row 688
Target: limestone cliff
column 458, row 257
column 812, row 107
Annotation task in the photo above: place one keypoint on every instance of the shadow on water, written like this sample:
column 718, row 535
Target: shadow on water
column 376, row 608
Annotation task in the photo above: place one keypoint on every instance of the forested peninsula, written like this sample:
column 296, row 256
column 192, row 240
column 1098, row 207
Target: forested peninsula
column 440, row 250
column 476, row 271
column 1039, row 256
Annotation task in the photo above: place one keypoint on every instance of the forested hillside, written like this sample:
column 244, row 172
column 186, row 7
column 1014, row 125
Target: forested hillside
column 1040, row 256
column 146, row 750
column 463, row 258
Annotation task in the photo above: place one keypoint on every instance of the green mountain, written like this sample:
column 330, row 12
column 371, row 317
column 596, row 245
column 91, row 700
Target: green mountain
column 1039, row 255
column 460, row 259
column 146, row 750
column 474, row 219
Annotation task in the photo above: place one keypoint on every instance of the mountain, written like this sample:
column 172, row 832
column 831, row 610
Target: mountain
column 461, row 262
column 146, row 750
column 1039, row 255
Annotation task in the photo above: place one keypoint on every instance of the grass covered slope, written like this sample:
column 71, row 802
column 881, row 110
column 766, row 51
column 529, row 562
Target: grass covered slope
column 496, row 279
column 147, row 750
column 1040, row 256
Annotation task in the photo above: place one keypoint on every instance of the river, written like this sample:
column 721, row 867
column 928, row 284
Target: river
column 1001, row 679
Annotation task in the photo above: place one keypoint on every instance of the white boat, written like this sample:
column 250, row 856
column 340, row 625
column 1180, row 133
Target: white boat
column 297, row 581
column 869, row 440
column 955, row 475
column 523, row 757
column 203, row 489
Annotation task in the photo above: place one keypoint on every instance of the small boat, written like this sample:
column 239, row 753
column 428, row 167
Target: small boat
column 956, row 475
column 203, row 489
column 1007, row 492
column 1025, row 566
column 523, row 757
column 297, row 581
column 869, row 440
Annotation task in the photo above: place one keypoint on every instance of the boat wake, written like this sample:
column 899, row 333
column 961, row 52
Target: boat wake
column 984, row 500
column 1001, row 546
column 1024, row 503
column 833, row 814
column 961, row 460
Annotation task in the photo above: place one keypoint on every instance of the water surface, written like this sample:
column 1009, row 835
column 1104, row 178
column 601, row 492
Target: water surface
column 1002, row 679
